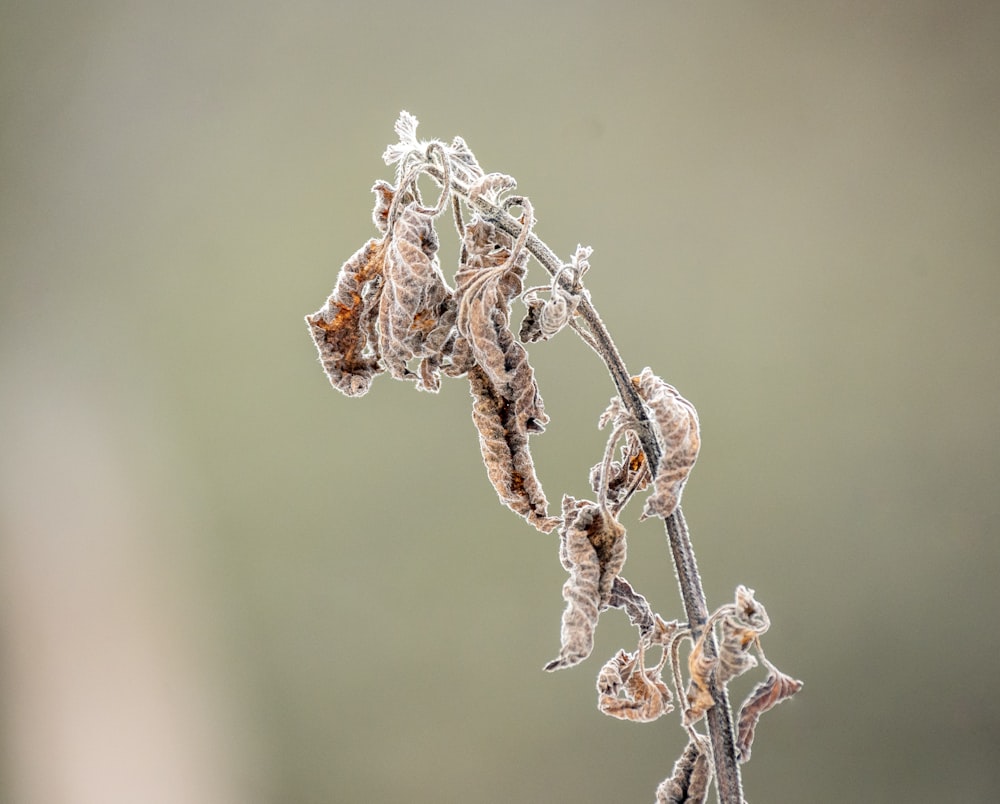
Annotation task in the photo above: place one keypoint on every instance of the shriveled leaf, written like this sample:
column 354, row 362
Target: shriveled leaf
column 487, row 280
column 677, row 432
column 740, row 629
column 545, row 318
column 774, row 689
column 607, row 535
column 623, row 596
column 343, row 329
column 531, row 324
column 581, row 590
column 491, row 186
column 692, row 774
column 628, row 690
column 612, row 676
column 699, row 695
column 592, row 550
column 579, row 619
column 464, row 162
column 417, row 310
column 505, row 452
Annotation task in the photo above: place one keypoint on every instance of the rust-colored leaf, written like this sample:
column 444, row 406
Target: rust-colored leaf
column 505, row 452
column 592, row 550
column 699, row 695
column 692, row 774
column 343, row 328
column 774, row 689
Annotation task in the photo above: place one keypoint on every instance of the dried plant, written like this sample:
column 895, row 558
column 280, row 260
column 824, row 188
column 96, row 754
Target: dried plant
column 392, row 309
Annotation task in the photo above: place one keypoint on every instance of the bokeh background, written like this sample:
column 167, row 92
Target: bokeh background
column 221, row 581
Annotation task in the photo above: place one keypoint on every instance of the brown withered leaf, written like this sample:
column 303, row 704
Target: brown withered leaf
column 531, row 324
column 343, row 329
column 623, row 596
column 741, row 627
column 416, row 310
column 487, row 279
column 774, row 689
column 505, row 452
column 692, row 774
column 545, row 318
column 677, row 431
column 592, row 549
column 628, row 690
column 463, row 161
column 699, row 695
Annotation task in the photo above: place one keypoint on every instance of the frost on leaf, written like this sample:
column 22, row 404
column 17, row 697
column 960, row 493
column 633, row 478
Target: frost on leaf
column 677, row 432
column 688, row 784
column 592, row 550
column 623, row 596
column 628, row 690
column 505, row 452
column 740, row 629
column 774, row 689
column 416, row 311
column 406, row 130
column 488, row 278
column 344, row 328
column 545, row 318
column 384, row 195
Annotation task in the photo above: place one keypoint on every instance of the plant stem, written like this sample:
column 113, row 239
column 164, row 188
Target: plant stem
column 719, row 716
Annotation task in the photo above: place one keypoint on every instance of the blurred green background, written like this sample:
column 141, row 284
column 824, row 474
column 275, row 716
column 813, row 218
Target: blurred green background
column 221, row 581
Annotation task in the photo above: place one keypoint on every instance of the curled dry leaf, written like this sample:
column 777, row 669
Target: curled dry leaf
column 623, row 596
column 384, row 195
column 507, row 404
column 463, row 161
column 628, row 690
column 416, row 310
column 676, row 423
column 692, row 774
column 491, row 186
column 740, row 629
column 592, row 550
column 774, row 689
column 666, row 632
column 545, row 318
column 699, row 694
column 344, row 328
column 505, row 452
column 489, row 277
